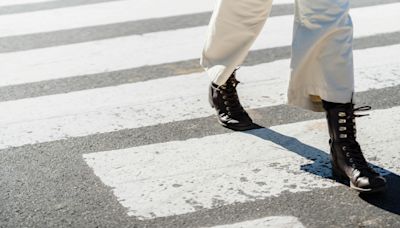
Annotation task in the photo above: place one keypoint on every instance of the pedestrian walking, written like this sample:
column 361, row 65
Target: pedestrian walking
column 322, row 76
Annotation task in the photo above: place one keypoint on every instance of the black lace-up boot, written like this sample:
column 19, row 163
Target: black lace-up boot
column 348, row 161
column 230, row 112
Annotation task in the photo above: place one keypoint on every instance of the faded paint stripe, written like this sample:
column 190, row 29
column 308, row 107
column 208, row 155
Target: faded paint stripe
column 47, row 5
column 268, row 222
column 146, row 73
column 161, row 47
column 200, row 127
column 165, row 100
column 96, row 14
column 21, row 2
column 180, row 177
column 138, row 27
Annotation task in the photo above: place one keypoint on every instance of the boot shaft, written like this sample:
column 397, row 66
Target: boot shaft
column 341, row 121
column 346, row 154
column 224, row 98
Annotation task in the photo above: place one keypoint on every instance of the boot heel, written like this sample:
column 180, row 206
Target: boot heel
column 210, row 99
column 211, row 104
column 338, row 174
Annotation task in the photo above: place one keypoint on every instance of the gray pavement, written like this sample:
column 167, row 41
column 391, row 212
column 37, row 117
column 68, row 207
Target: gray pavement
column 50, row 185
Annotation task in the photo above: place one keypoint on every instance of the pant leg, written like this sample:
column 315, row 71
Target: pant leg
column 322, row 58
column 234, row 26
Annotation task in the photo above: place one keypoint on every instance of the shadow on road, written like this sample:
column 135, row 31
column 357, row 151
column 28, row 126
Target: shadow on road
column 389, row 200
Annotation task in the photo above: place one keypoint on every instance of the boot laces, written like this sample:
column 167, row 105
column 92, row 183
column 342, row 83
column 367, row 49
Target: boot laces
column 361, row 109
column 355, row 155
column 230, row 96
column 352, row 147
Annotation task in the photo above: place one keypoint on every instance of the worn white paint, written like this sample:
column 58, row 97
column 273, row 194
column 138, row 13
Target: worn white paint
column 117, row 54
column 278, row 2
column 98, row 14
column 160, row 47
column 101, row 110
column 21, row 2
column 268, row 222
column 180, row 177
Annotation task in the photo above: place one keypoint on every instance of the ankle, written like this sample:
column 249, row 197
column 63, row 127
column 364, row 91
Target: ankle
column 327, row 105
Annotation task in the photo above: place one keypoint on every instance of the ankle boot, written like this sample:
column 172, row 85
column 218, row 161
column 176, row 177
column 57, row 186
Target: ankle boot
column 225, row 100
column 348, row 161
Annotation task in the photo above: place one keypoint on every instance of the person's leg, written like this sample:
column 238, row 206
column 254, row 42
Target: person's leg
column 322, row 58
column 234, row 26
column 322, row 79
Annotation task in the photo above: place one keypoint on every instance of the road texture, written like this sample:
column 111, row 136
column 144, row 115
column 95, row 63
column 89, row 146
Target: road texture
column 104, row 121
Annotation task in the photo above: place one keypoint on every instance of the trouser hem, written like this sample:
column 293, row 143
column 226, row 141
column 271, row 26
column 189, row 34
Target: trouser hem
column 310, row 98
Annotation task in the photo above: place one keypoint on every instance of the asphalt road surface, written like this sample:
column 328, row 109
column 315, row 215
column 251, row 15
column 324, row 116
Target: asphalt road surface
column 104, row 121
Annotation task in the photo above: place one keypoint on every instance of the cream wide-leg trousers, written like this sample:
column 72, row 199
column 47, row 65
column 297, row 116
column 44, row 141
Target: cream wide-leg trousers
column 322, row 58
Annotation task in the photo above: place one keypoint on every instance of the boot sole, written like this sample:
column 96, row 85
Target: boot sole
column 241, row 128
column 338, row 175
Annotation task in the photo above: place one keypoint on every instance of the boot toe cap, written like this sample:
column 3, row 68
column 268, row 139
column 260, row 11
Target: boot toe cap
column 372, row 184
column 239, row 125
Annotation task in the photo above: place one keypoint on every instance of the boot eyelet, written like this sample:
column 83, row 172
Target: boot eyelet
column 224, row 97
column 342, row 128
column 227, row 108
column 351, row 160
column 341, row 121
column 347, row 154
column 344, row 148
column 341, row 114
column 343, row 136
column 229, row 113
column 225, row 102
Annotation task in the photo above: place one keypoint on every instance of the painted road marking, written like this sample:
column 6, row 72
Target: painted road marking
column 156, row 48
column 21, row 2
column 268, row 222
column 180, row 177
column 99, row 14
column 96, row 14
column 82, row 113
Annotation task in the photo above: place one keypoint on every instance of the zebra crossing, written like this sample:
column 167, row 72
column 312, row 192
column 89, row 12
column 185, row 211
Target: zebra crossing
column 19, row 2
column 175, row 177
column 114, row 108
column 156, row 48
column 192, row 166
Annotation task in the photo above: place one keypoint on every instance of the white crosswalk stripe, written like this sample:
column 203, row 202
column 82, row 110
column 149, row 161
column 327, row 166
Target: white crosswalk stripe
column 100, row 14
column 177, row 177
column 160, row 47
column 180, row 177
column 21, row 2
column 268, row 222
column 164, row 100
